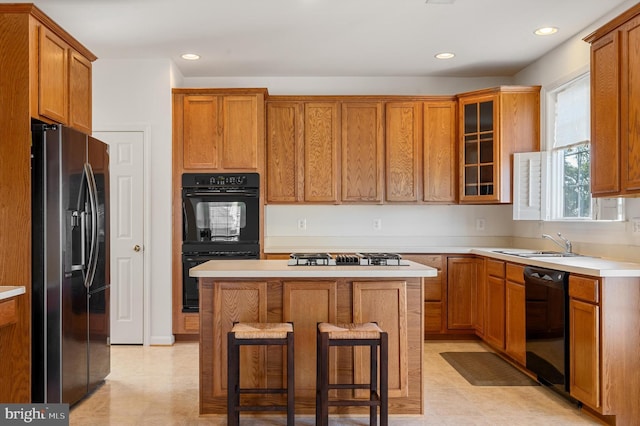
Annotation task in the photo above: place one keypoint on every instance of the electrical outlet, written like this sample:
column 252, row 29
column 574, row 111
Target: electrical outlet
column 377, row 224
column 302, row 224
column 635, row 226
column 480, row 223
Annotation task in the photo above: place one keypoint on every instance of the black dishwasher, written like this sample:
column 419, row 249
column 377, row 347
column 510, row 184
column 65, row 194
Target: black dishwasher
column 547, row 326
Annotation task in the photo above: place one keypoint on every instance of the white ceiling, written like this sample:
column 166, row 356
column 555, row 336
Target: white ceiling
column 327, row 37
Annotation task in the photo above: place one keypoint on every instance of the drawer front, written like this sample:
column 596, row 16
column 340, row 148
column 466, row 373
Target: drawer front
column 495, row 268
column 515, row 273
column 435, row 261
column 432, row 291
column 8, row 312
column 584, row 288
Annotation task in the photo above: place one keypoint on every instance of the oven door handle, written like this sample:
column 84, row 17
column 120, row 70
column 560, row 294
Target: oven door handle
column 242, row 192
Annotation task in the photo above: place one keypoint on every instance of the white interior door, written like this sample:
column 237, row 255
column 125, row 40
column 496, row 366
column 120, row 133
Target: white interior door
column 126, row 160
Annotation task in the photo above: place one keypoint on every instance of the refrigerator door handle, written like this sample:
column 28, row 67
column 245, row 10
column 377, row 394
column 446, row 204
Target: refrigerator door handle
column 93, row 200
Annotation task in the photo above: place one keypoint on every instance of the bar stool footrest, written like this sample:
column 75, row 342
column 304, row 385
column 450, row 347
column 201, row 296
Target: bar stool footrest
column 349, row 386
column 261, row 408
column 263, row 391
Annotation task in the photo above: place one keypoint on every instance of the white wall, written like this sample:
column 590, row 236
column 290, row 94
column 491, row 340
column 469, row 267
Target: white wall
column 401, row 228
column 599, row 239
column 135, row 93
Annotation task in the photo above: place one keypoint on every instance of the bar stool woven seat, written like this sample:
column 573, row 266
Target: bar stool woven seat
column 262, row 330
column 353, row 334
column 258, row 334
column 368, row 330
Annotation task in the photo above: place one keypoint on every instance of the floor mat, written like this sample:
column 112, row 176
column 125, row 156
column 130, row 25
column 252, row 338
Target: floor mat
column 486, row 369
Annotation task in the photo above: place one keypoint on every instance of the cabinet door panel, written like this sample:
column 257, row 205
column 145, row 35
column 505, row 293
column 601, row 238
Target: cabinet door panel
column 240, row 134
column 362, row 151
column 403, row 128
column 630, row 124
column 462, row 278
column 605, row 116
column 284, row 151
column 79, row 92
column 584, row 347
column 200, row 133
column 494, row 328
column 321, row 151
column 515, row 330
column 386, row 304
column 306, row 304
column 238, row 301
column 440, row 155
column 53, row 74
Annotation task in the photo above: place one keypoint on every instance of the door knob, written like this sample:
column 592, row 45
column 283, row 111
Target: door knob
column 137, row 248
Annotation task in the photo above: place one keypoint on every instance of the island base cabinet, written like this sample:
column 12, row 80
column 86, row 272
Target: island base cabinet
column 395, row 304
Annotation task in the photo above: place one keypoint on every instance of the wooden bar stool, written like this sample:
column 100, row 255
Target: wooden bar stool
column 366, row 334
column 258, row 334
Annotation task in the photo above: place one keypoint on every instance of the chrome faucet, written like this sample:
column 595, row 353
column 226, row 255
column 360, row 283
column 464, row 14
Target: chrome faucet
column 566, row 246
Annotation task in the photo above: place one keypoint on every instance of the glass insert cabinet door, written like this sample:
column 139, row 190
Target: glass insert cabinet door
column 479, row 156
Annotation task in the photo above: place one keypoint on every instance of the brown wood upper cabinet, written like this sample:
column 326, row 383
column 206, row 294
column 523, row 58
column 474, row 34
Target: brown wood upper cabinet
column 440, row 183
column 362, row 144
column 219, row 129
column 615, row 106
column 321, row 151
column 61, row 81
column 285, row 152
column 494, row 124
column 403, row 146
column 303, row 150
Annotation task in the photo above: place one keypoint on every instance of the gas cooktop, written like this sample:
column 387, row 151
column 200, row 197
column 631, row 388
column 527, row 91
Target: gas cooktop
column 346, row 259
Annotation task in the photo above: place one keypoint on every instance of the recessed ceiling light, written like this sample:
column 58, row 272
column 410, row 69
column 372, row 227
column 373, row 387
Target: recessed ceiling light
column 445, row 55
column 546, row 31
column 190, row 56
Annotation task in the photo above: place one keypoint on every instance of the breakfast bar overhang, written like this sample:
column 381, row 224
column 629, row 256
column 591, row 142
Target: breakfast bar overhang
column 272, row 291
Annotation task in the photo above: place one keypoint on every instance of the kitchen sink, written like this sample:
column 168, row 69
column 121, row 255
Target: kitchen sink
column 540, row 253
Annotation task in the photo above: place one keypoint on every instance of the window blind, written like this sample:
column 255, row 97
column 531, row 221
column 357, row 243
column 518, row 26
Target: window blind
column 572, row 114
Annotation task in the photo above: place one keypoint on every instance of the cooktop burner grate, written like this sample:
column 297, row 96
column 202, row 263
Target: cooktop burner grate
column 346, row 259
column 380, row 259
column 311, row 259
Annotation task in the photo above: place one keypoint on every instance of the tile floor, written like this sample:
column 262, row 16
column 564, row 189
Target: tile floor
column 158, row 385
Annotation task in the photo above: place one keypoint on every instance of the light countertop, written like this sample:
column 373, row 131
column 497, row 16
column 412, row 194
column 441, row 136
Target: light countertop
column 585, row 265
column 11, row 291
column 250, row 268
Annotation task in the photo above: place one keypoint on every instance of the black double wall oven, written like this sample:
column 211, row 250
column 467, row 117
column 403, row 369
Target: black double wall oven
column 221, row 220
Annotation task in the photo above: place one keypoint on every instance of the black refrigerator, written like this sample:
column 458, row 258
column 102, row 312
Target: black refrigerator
column 70, row 264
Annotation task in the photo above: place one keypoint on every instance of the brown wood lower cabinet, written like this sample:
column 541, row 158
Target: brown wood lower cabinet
column 435, row 292
column 15, row 379
column 462, row 279
column 395, row 304
column 495, row 303
column 515, row 327
column 604, row 344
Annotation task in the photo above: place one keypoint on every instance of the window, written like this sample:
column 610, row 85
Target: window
column 570, row 156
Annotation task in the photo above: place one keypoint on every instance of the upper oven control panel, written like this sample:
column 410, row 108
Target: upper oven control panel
column 240, row 180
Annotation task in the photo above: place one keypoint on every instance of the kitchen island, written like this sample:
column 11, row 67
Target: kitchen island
column 272, row 291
